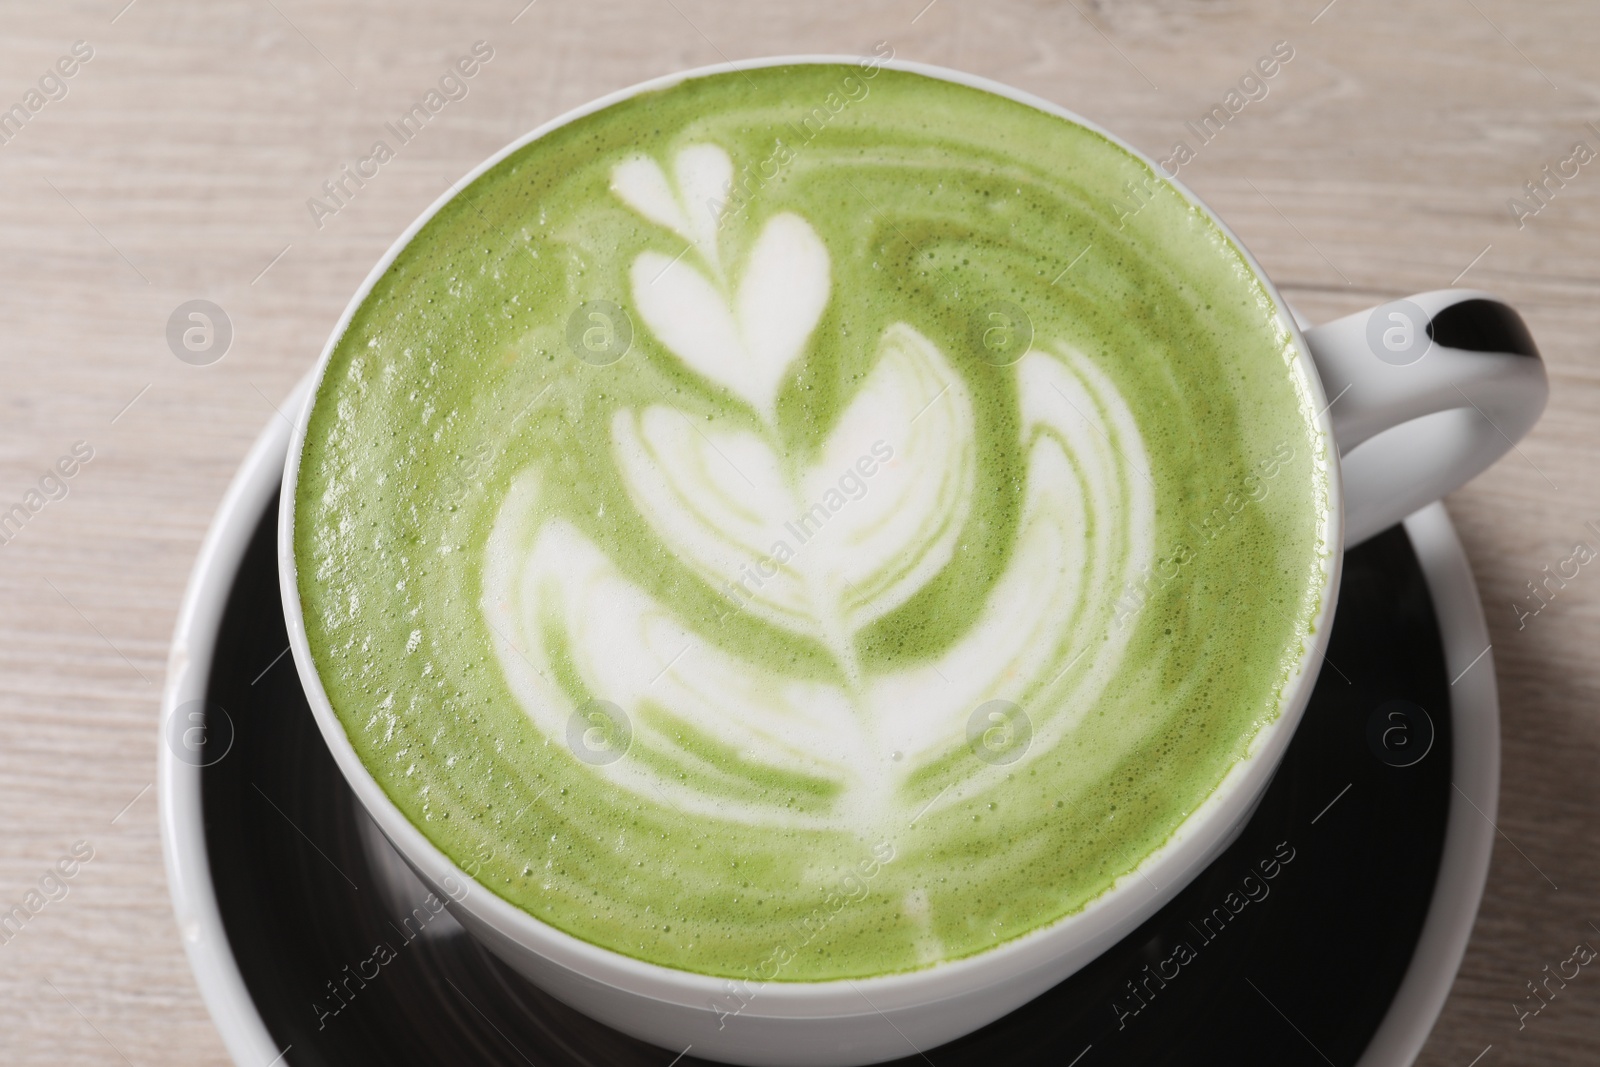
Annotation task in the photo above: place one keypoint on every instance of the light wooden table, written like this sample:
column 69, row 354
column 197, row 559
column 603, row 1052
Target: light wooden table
column 178, row 167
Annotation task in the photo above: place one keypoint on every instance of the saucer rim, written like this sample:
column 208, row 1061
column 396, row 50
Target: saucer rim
column 1436, row 957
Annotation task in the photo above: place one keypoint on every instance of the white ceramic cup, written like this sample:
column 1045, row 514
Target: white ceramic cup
column 1416, row 397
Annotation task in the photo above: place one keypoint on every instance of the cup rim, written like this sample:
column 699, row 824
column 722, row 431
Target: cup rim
column 1170, row 866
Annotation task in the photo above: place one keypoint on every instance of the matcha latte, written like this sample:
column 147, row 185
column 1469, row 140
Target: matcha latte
column 810, row 522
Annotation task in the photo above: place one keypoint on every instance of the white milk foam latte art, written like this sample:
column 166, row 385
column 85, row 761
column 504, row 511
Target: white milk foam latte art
column 797, row 552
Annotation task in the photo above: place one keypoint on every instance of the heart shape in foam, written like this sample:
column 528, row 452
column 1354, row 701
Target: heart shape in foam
column 742, row 338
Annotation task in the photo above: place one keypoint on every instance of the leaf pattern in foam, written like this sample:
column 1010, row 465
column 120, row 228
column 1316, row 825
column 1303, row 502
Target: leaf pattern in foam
column 870, row 522
column 1045, row 639
column 714, row 733
column 711, row 732
column 855, row 545
column 745, row 344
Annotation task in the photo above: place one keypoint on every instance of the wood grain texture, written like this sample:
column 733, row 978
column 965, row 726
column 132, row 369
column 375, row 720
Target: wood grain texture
column 179, row 164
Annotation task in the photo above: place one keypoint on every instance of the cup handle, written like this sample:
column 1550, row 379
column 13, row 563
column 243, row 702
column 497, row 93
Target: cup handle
column 1425, row 394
